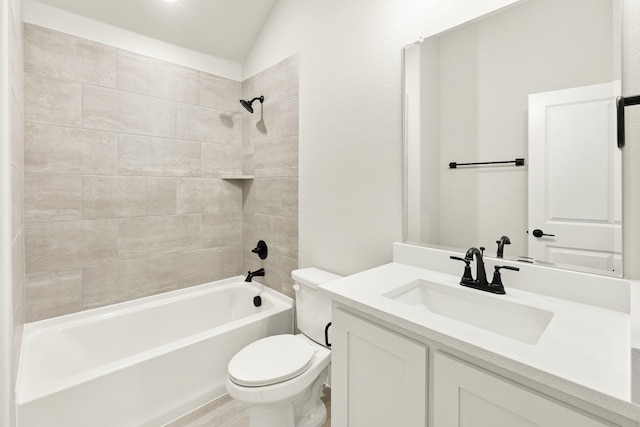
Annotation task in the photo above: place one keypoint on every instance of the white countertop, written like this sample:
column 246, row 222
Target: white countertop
column 584, row 351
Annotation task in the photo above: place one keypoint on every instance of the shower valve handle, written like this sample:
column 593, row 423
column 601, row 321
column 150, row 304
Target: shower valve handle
column 261, row 249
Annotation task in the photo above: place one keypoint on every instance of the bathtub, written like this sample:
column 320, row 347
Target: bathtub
column 144, row 362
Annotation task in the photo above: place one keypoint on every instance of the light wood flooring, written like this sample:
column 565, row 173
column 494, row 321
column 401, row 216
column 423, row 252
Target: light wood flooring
column 226, row 412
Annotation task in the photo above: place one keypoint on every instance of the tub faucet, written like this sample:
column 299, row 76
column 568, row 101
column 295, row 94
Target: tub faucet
column 252, row 274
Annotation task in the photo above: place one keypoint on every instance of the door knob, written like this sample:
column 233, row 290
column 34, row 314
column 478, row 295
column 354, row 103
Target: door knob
column 539, row 233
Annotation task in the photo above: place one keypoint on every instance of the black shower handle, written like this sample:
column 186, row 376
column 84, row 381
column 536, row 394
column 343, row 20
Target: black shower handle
column 261, row 249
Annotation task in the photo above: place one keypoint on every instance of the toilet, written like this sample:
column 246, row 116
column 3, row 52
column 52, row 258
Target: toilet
column 280, row 377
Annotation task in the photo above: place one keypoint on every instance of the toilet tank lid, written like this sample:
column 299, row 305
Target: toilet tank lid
column 313, row 277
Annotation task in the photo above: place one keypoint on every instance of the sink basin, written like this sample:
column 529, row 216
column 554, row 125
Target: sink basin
column 512, row 320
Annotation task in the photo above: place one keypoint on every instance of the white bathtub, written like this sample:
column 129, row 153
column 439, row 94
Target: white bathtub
column 142, row 362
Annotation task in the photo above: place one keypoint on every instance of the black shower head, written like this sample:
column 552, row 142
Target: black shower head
column 247, row 104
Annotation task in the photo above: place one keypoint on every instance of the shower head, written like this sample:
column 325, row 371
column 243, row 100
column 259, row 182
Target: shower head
column 247, row 104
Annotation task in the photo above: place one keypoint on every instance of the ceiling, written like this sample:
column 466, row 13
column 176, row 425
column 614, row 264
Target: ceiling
column 222, row 28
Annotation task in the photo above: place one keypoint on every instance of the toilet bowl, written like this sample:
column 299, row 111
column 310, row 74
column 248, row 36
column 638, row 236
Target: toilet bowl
column 280, row 377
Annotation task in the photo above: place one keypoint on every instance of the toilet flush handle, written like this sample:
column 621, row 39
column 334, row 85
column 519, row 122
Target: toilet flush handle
column 296, row 287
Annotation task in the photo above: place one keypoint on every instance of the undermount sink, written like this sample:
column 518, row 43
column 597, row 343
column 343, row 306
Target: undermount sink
column 509, row 319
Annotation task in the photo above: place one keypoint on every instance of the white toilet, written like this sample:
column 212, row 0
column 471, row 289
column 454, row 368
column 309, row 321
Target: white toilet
column 280, row 377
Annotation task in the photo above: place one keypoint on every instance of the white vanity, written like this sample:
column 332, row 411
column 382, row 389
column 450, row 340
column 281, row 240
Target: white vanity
column 411, row 347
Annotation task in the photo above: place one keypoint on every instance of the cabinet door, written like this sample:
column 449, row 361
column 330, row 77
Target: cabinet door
column 465, row 396
column 379, row 378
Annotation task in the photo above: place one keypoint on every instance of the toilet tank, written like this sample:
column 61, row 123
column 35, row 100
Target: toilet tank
column 313, row 308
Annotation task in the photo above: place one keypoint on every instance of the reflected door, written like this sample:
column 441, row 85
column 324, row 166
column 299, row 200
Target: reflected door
column 575, row 189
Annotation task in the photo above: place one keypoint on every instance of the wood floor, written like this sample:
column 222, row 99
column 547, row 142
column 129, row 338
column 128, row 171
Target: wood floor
column 226, row 412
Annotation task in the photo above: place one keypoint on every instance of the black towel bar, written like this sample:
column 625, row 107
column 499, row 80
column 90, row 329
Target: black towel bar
column 518, row 162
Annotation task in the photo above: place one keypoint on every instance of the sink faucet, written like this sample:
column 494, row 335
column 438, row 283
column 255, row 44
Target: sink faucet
column 481, row 274
column 252, row 274
column 504, row 240
column 480, row 282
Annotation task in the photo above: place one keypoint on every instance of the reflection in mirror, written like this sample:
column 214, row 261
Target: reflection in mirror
column 537, row 81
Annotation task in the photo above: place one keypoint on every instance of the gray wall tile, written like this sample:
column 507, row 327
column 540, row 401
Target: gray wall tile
column 207, row 265
column 220, row 93
column 52, row 197
column 52, row 101
column 221, row 229
column 248, row 163
column 207, row 195
column 53, row 293
column 277, row 270
column 148, row 236
column 270, row 152
column 141, row 155
column 55, row 54
column 280, row 120
column 276, row 83
column 145, row 150
column 55, row 149
column 221, row 159
column 273, row 196
column 279, row 274
column 127, row 196
column 69, row 245
column 117, row 111
column 204, row 124
column 280, row 233
column 277, row 157
column 17, row 134
column 150, row 76
column 106, row 284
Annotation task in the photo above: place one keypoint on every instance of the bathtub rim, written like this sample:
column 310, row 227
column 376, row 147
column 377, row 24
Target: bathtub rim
column 97, row 313
column 33, row 329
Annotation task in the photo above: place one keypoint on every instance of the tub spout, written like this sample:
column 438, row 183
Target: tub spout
column 252, row 274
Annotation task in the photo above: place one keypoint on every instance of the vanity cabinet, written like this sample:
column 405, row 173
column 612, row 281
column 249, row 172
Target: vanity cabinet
column 465, row 395
column 379, row 378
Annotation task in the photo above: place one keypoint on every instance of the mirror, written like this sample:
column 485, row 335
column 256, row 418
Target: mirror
column 537, row 81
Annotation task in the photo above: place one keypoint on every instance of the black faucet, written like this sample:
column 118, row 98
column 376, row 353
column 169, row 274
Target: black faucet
column 480, row 282
column 504, row 240
column 481, row 274
column 253, row 274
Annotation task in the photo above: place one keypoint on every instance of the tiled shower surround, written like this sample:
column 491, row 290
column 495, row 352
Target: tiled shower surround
column 270, row 153
column 124, row 159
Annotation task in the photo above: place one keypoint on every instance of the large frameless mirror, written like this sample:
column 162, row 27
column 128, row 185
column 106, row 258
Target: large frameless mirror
column 510, row 131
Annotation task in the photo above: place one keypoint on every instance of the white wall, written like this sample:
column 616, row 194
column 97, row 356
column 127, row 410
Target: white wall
column 351, row 115
column 6, row 305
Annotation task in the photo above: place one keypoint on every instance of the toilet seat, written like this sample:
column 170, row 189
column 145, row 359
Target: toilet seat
column 270, row 360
